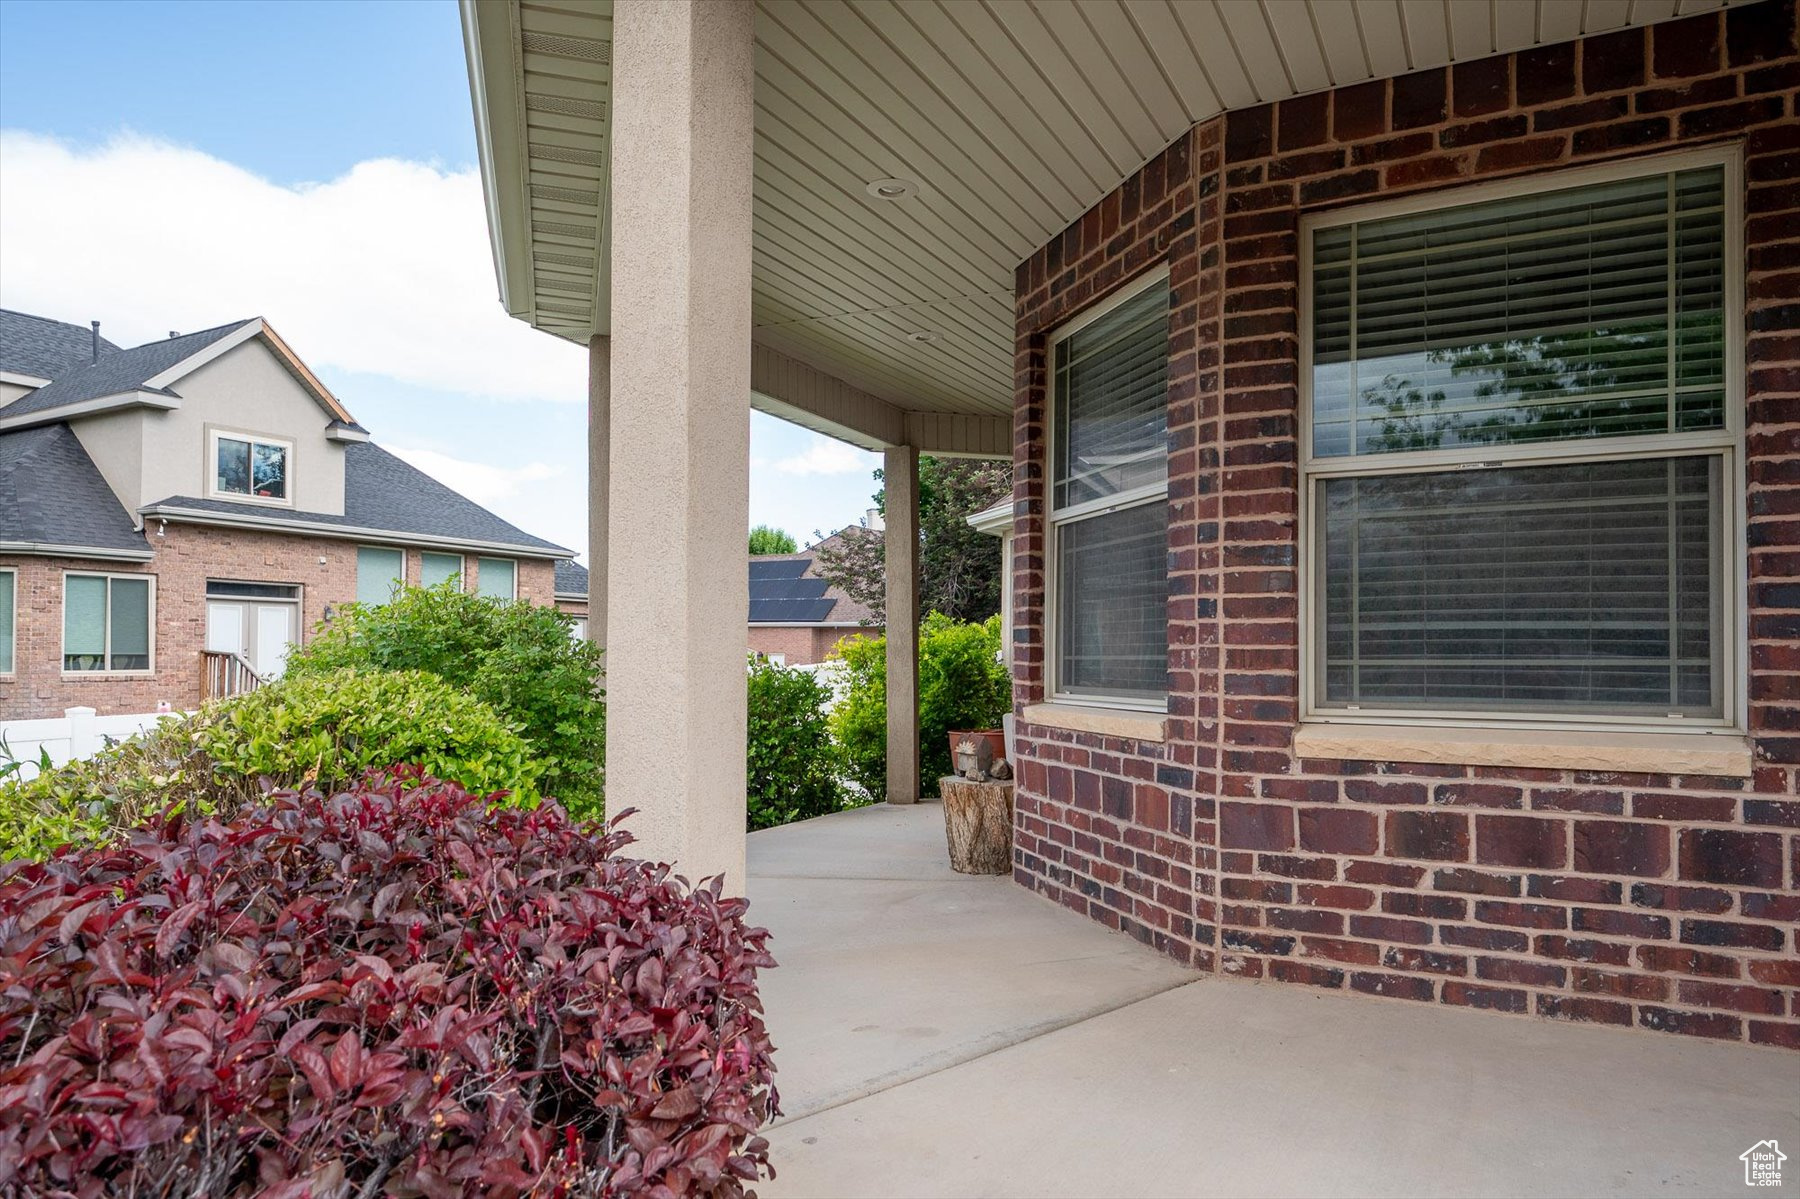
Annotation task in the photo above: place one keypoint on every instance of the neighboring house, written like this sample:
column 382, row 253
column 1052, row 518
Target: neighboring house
column 796, row 617
column 571, row 592
column 174, row 516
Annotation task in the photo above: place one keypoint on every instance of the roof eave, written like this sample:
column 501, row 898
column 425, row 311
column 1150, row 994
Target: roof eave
column 93, row 407
column 246, row 520
column 51, row 549
column 491, row 45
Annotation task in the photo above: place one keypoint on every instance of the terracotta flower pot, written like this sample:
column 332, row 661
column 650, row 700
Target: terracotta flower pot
column 996, row 739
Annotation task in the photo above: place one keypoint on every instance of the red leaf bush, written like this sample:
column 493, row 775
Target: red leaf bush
column 394, row 990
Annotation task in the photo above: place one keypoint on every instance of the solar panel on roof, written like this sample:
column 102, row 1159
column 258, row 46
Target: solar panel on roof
column 777, row 568
column 790, row 611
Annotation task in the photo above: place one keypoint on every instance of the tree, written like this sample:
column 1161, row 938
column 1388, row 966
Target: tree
column 959, row 567
column 767, row 540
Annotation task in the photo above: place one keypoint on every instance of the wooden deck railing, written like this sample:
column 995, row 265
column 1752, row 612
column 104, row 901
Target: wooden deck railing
column 223, row 674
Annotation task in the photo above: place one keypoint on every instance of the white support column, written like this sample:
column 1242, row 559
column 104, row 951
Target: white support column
column 900, row 485
column 679, row 488
column 599, row 471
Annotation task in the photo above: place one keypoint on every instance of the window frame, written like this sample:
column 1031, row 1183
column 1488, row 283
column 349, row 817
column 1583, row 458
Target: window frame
column 1055, row 518
column 1727, row 444
column 481, row 561
column 214, row 433
column 12, row 668
column 108, row 671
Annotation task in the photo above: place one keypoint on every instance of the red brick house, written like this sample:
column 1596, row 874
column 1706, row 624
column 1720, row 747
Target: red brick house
column 175, row 515
column 1404, row 402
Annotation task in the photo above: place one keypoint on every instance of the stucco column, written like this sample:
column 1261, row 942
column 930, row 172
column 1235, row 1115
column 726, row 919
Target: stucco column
column 599, row 471
column 900, row 484
column 680, row 431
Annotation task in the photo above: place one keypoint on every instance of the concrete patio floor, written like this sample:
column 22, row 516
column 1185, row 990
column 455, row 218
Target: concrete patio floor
column 939, row 1034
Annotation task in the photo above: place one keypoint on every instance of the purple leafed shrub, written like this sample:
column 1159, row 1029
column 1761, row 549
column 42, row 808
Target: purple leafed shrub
column 394, row 990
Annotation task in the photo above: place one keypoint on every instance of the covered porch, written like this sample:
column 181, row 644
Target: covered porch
column 940, row 1034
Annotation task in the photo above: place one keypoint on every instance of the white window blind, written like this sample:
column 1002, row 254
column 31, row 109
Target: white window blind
column 496, row 578
column 1521, row 457
column 1109, row 515
column 1548, row 588
column 1588, row 312
column 378, row 572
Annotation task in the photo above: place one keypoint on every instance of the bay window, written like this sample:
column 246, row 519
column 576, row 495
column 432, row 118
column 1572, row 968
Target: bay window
column 1521, row 467
column 1109, row 487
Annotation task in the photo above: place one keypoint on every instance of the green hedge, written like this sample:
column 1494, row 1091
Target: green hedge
column 792, row 762
column 962, row 685
column 519, row 658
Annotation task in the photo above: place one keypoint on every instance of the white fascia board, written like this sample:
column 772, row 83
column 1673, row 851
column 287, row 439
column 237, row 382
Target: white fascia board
column 199, row 358
column 996, row 520
column 63, row 412
column 47, row 549
column 21, row 380
column 491, row 39
column 245, row 520
column 574, row 597
column 341, row 434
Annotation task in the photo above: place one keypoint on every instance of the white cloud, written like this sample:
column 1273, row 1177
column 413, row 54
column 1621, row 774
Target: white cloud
column 825, row 456
column 385, row 269
column 481, row 482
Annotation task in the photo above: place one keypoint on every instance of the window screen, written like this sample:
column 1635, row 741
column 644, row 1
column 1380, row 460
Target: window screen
column 1109, row 516
column 378, row 571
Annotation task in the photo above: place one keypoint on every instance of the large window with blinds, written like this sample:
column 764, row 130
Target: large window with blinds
column 1109, row 483
column 108, row 622
column 1521, row 474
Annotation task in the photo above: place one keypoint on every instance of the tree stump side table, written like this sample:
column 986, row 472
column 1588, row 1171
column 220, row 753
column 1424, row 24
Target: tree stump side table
column 978, row 819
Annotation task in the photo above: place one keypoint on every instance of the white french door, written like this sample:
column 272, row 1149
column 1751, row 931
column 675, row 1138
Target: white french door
column 260, row 629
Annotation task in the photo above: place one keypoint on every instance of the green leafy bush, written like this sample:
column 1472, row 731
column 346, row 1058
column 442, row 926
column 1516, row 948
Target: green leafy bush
column 792, row 760
column 118, row 788
column 518, row 658
column 962, row 685
column 319, row 729
column 326, row 729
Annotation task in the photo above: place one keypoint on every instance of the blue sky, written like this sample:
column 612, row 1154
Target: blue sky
column 178, row 165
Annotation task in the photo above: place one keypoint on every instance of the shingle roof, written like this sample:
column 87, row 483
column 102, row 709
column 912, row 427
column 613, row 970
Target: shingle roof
column 385, row 494
column 121, row 371
column 51, row 493
column 571, row 577
column 43, row 348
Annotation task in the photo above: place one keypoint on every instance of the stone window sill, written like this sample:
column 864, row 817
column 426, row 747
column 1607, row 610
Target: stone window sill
column 1107, row 722
column 1723, row 755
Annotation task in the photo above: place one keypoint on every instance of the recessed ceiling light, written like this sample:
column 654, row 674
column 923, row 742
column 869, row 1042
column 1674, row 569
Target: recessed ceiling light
column 923, row 335
column 892, row 189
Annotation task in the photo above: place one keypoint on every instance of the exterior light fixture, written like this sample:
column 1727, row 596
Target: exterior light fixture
column 892, row 189
column 923, row 336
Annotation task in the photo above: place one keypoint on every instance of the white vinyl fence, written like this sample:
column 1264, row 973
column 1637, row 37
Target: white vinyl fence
column 77, row 733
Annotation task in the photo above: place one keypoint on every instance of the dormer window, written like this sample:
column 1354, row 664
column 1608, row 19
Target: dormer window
column 252, row 467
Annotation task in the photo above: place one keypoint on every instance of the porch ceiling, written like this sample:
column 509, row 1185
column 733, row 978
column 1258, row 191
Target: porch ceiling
column 1011, row 119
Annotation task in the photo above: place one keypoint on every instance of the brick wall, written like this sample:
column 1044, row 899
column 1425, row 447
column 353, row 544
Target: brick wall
column 186, row 557
column 1662, row 901
column 803, row 646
